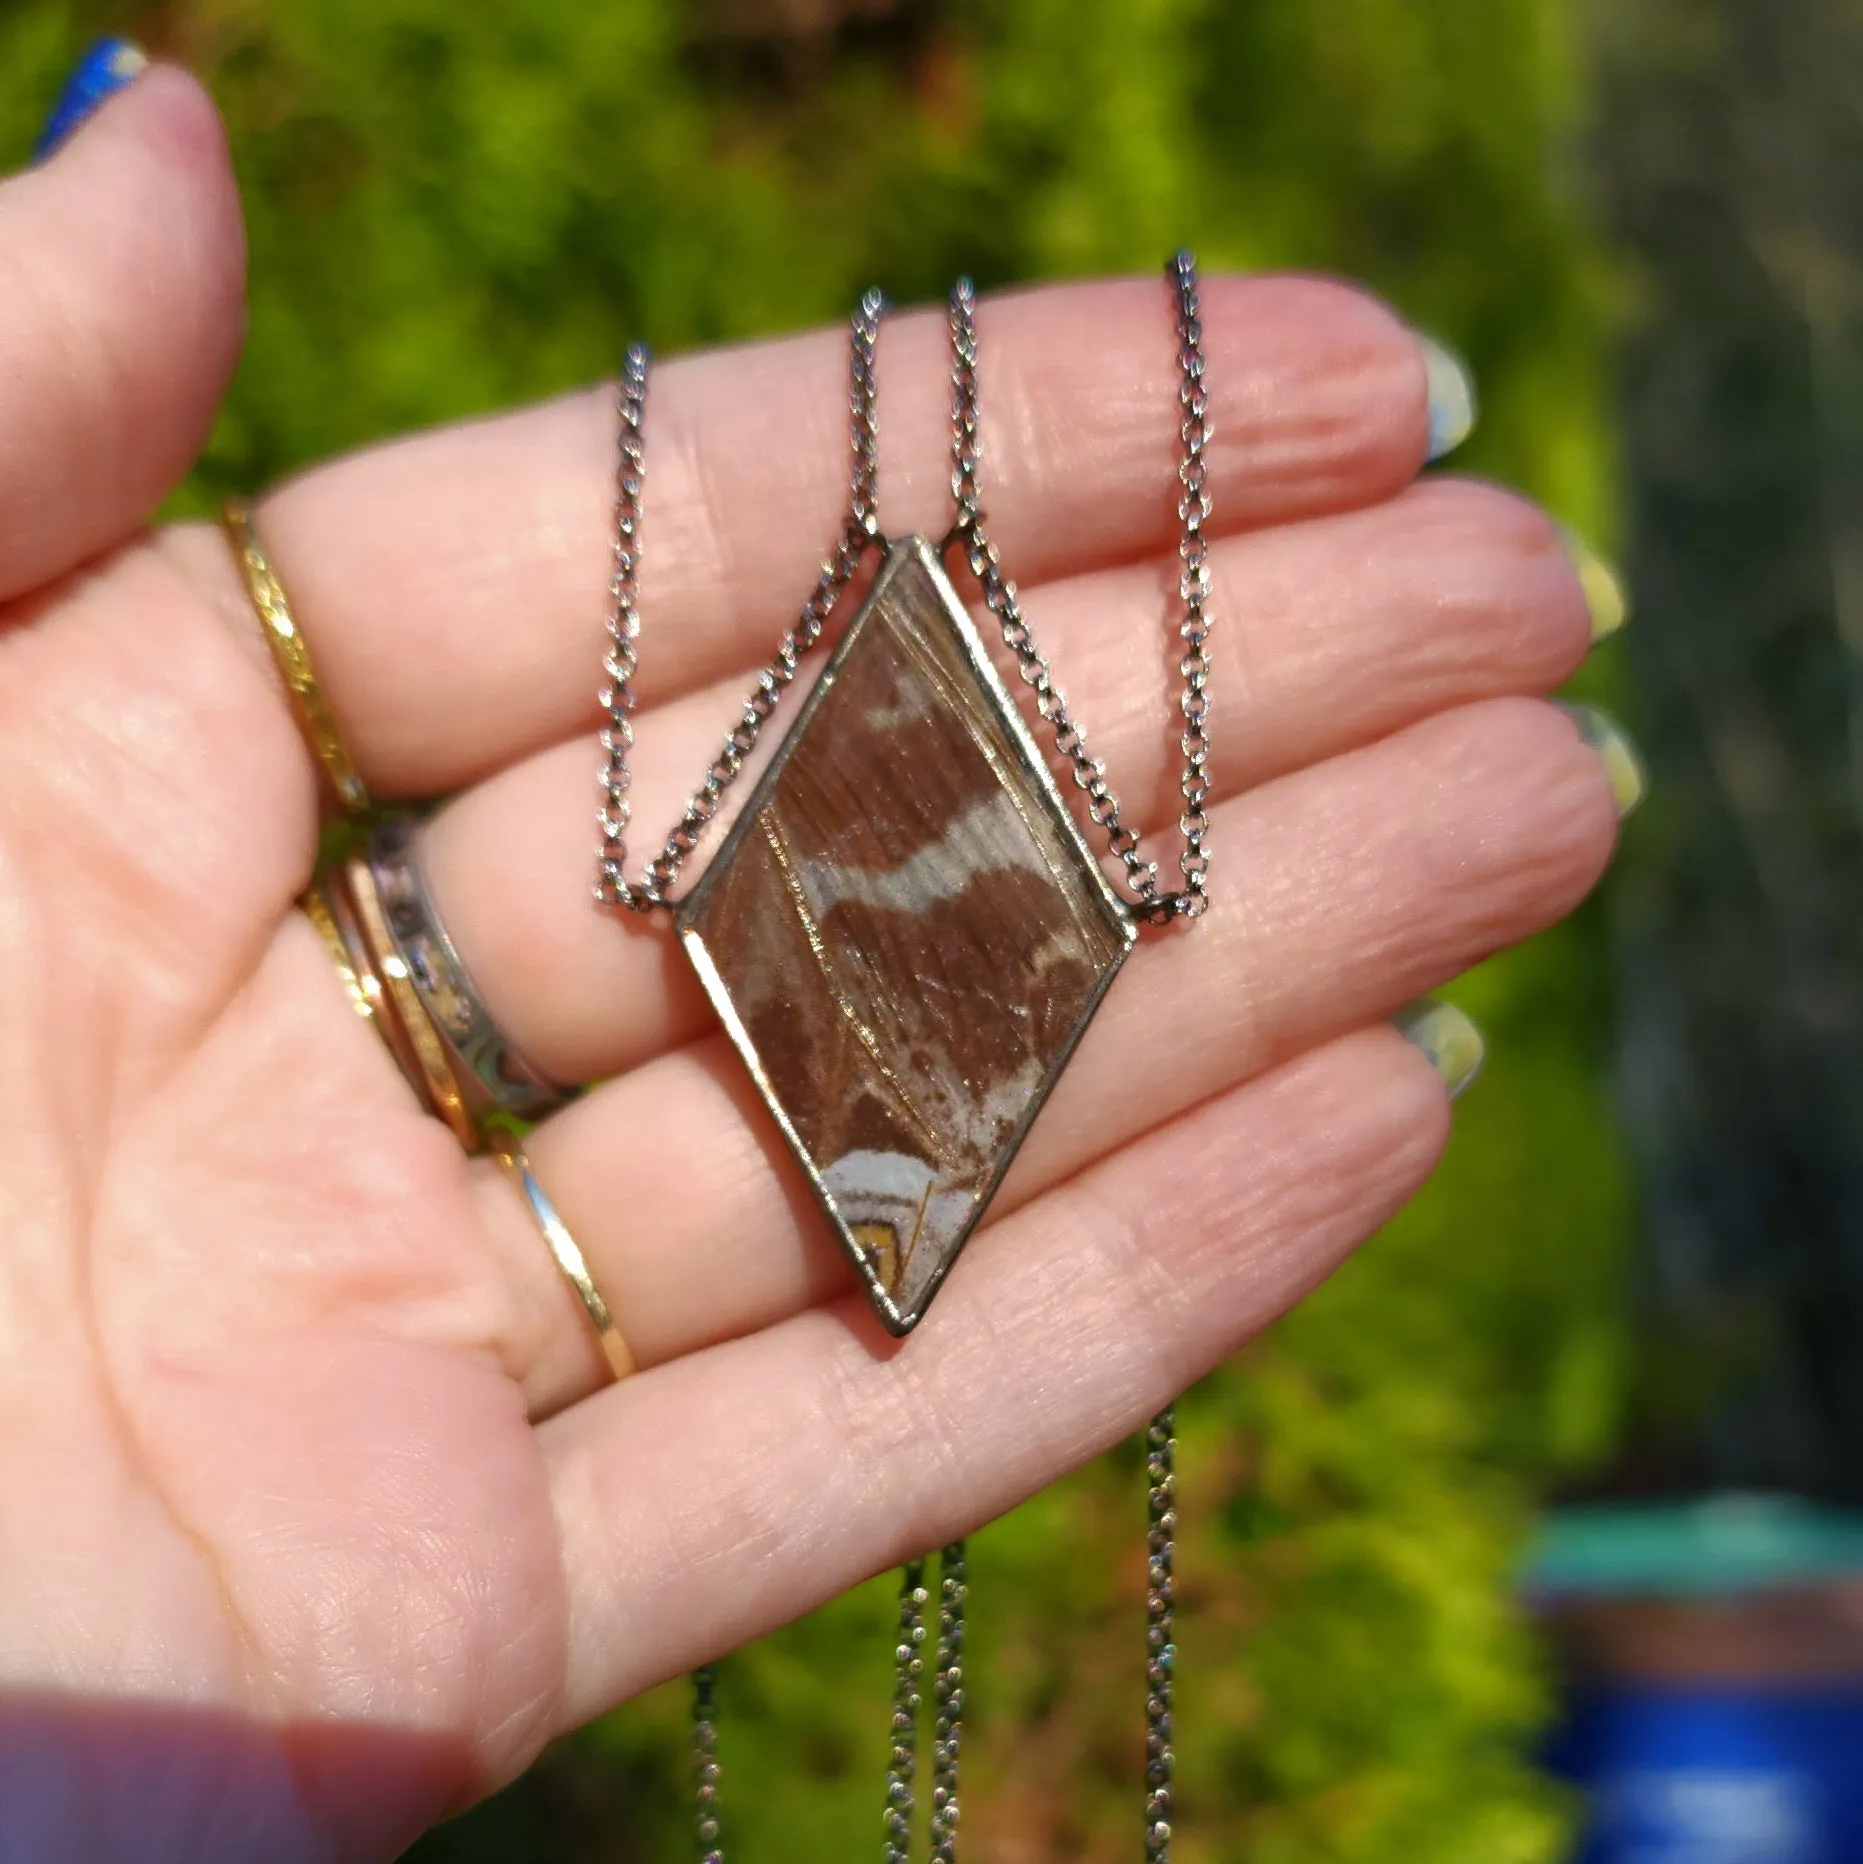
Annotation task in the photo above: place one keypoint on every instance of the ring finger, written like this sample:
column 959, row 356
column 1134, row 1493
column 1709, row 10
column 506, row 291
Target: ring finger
column 1350, row 887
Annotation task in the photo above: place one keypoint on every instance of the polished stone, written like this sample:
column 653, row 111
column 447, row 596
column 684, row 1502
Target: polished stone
column 905, row 933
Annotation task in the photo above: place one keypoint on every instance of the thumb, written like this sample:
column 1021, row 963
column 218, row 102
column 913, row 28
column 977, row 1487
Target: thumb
column 122, row 304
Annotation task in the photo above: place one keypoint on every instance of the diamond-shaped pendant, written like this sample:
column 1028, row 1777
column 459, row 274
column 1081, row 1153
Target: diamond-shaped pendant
column 905, row 933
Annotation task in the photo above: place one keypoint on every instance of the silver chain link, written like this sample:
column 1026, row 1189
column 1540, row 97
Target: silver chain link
column 908, row 1702
column 908, row 1666
column 1160, row 1630
column 620, row 658
column 616, row 697
column 620, row 661
column 948, row 1702
column 948, row 1708
column 1193, row 512
column 999, row 595
column 705, row 1764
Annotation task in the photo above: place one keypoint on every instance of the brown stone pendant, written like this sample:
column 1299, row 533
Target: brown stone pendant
column 905, row 933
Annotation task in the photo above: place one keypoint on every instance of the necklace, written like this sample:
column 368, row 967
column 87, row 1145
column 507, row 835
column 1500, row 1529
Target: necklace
column 905, row 934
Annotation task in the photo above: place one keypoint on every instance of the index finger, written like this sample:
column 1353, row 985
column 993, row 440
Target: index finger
column 452, row 584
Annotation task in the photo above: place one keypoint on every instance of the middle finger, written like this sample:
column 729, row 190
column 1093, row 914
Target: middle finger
column 1350, row 887
column 451, row 582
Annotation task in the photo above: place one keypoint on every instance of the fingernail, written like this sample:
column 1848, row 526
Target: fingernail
column 102, row 72
column 1605, row 595
column 1613, row 746
column 1452, row 396
column 1451, row 1042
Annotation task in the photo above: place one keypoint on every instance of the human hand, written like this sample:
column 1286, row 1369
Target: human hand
column 316, row 1519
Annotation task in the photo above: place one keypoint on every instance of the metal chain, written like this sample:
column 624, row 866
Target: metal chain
column 999, row 594
column 1160, row 1630
column 902, row 1766
column 908, row 1667
column 948, row 1708
column 613, row 889
column 616, row 698
column 620, row 658
column 705, row 1763
column 1193, row 511
column 948, row 1702
column 619, row 664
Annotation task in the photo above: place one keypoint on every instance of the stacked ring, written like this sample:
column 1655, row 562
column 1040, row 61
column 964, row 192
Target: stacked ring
column 404, row 975
column 399, row 968
column 490, row 1072
column 319, row 911
column 327, row 905
column 286, row 640
column 347, row 906
column 438, row 1084
column 569, row 1258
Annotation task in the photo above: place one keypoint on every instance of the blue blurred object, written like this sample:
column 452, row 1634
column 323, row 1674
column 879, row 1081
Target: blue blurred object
column 1714, row 1774
column 1716, row 1648
column 101, row 73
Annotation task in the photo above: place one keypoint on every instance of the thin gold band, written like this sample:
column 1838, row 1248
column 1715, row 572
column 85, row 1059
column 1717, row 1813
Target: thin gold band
column 569, row 1258
column 326, row 905
column 317, row 910
column 404, row 1002
column 286, row 640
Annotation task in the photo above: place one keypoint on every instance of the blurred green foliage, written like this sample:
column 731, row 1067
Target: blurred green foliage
column 455, row 207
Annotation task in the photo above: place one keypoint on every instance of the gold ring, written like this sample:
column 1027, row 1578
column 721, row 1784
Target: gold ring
column 404, row 1001
column 326, row 905
column 286, row 640
column 510, row 1155
column 316, row 908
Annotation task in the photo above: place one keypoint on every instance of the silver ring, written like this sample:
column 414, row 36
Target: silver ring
column 492, row 1075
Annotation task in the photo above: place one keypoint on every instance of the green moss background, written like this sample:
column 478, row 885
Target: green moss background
column 455, row 206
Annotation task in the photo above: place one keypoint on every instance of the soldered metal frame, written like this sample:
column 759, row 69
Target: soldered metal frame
column 900, row 552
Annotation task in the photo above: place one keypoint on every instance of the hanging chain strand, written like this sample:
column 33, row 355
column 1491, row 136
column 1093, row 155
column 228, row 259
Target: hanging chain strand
column 1193, row 513
column 1160, row 1630
column 908, row 1667
column 616, row 698
column 999, row 594
column 948, row 1702
column 705, row 1764
column 947, row 1706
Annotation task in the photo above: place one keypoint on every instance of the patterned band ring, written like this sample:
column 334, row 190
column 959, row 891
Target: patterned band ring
column 286, row 640
column 438, row 1084
column 492, row 1075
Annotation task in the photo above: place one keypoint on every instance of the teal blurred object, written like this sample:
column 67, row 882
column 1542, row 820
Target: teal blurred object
column 1718, row 1547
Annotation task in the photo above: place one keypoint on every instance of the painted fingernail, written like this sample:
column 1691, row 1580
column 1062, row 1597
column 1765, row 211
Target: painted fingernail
column 1452, row 396
column 1451, row 1042
column 1617, row 753
column 1605, row 595
column 102, row 72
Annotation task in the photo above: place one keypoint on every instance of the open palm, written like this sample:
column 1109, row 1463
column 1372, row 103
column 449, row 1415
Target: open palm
column 316, row 1519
